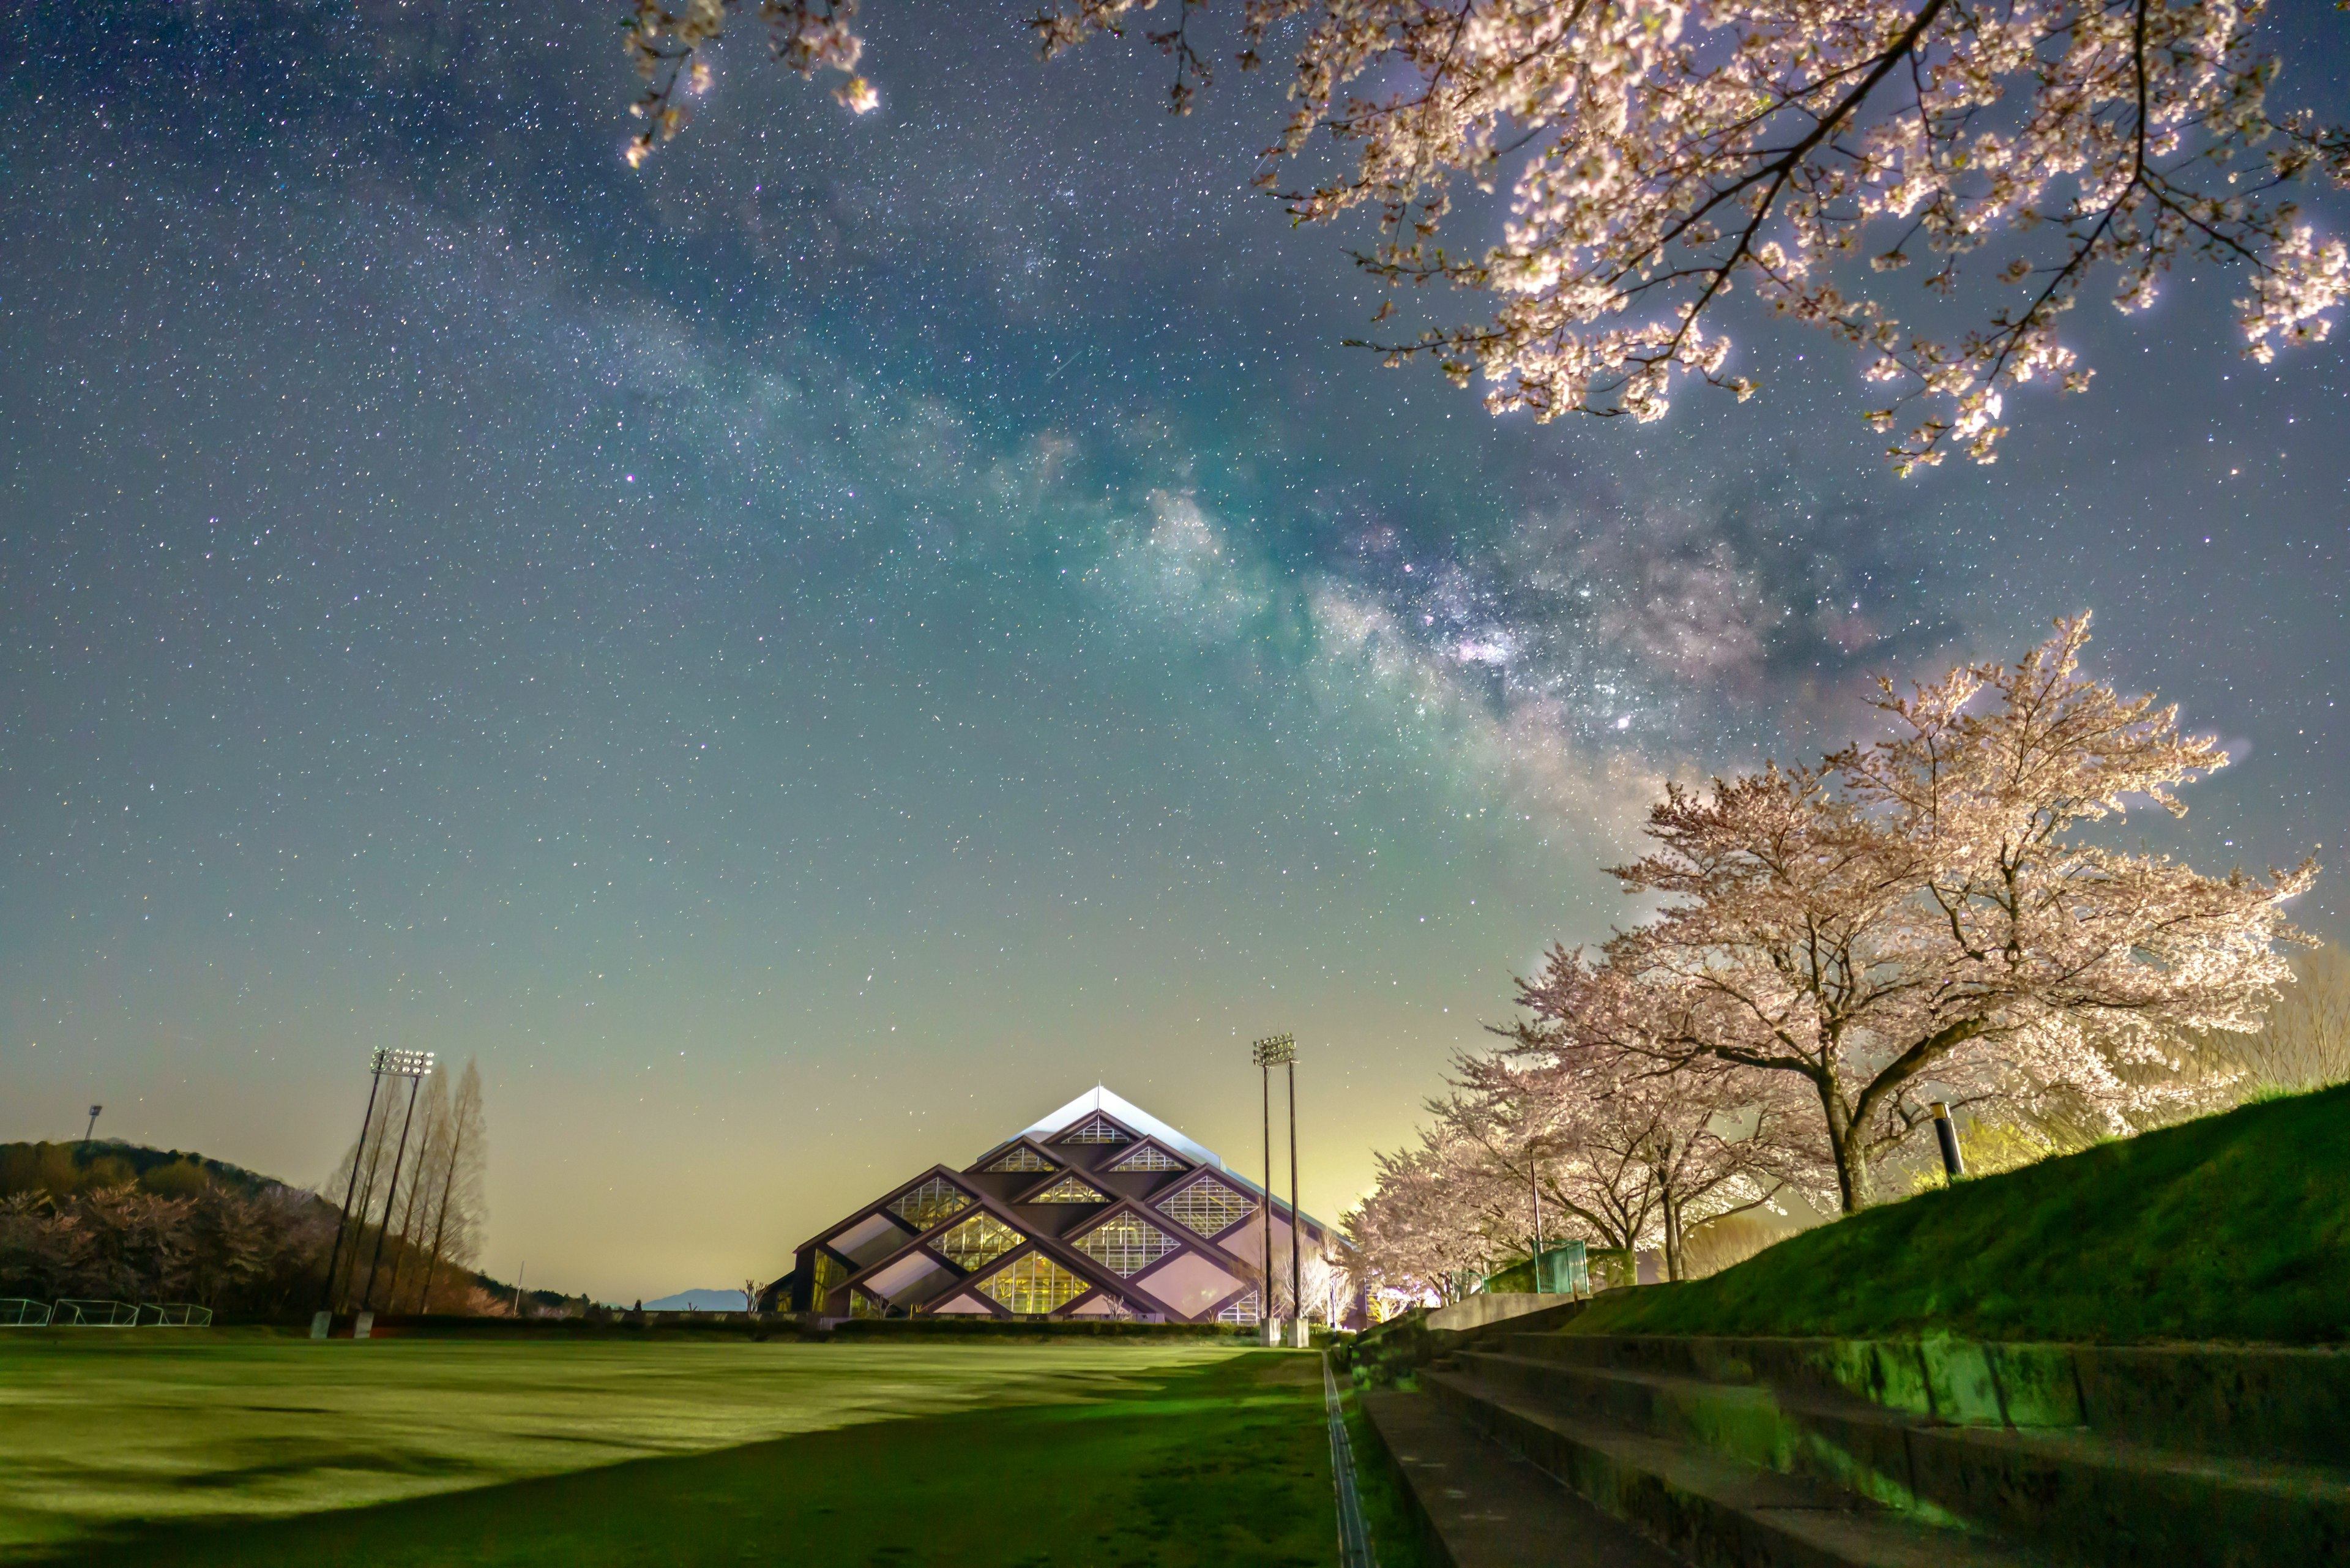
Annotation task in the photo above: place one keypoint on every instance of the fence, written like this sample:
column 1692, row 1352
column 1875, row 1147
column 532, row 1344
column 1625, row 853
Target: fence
column 175, row 1314
column 72, row 1312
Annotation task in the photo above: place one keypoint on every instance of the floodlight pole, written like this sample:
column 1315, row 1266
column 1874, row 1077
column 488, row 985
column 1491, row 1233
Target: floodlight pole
column 414, row 1067
column 1270, row 1052
column 1268, row 1325
column 87, row 1131
column 1296, row 1264
column 375, row 1082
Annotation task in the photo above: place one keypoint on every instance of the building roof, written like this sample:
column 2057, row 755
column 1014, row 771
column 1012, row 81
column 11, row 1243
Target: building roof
column 1118, row 1108
column 1123, row 1110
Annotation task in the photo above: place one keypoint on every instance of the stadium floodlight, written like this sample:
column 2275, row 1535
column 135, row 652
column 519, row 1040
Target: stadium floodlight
column 1273, row 1050
column 415, row 1066
column 383, row 1063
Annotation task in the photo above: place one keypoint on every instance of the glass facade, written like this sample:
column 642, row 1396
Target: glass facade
column 1149, row 1158
column 1070, row 1189
column 1242, row 1310
column 931, row 1202
column 1207, row 1206
column 1034, row 1284
column 1023, row 1158
column 828, row 1273
column 1125, row 1245
column 977, row 1241
column 1101, row 1129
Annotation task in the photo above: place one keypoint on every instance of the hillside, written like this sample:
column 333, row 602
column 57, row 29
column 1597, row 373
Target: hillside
column 62, row 1168
column 2234, row 1227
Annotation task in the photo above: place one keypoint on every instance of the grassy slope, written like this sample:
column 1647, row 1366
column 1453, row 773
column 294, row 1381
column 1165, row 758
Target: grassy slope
column 109, row 1432
column 2236, row 1227
column 1220, row 1463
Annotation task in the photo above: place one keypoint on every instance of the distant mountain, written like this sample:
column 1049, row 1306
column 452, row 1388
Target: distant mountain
column 698, row 1301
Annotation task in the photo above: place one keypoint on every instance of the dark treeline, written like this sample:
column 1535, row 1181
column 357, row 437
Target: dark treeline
column 117, row 1222
column 145, row 1225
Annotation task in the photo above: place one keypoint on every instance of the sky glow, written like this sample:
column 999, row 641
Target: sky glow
column 808, row 654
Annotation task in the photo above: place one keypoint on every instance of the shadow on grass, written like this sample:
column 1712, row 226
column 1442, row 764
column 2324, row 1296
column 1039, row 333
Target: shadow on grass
column 1226, row 1465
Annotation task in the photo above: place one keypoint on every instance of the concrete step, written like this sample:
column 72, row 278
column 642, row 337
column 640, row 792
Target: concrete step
column 2076, row 1493
column 1716, row 1511
column 2250, row 1401
column 1481, row 1506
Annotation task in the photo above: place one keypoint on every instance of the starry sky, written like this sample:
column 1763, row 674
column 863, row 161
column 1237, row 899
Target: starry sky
column 806, row 656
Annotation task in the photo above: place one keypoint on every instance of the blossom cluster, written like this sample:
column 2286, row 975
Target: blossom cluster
column 670, row 48
column 1662, row 153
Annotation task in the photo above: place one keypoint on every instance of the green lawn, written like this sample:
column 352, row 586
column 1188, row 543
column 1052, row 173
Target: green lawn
column 239, row 1447
column 2233, row 1227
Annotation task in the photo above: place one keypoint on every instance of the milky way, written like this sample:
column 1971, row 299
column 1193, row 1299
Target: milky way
column 807, row 655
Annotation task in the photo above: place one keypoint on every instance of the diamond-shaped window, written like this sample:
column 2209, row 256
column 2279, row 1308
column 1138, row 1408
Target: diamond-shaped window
column 1125, row 1245
column 1208, row 1206
column 931, row 1202
column 1023, row 1158
column 1242, row 1310
column 1149, row 1156
column 1070, row 1189
column 977, row 1241
column 1035, row 1283
column 1101, row 1129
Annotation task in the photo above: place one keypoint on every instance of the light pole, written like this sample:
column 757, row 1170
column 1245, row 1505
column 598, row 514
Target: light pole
column 1278, row 1050
column 1954, row 1164
column 320, row 1319
column 91, row 1128
column 415, row 1066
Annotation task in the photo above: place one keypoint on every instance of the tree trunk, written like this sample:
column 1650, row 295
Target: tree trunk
column 1672, row 1239
column 440, row 1224
column 1846, row 1147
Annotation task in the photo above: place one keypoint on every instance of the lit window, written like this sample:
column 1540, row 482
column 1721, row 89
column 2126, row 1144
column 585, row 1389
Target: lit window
column 1149, row 1156
column 931, row 1202
column 1023, row 1158
column 1101, row 1129
column 1240, row 1310
column 1126, row 1246
column 977, row 1241
column 862, row 1305
column 829, row 1274
column 1208, row 1206
column 1034, row 1284
column 1068, row 1189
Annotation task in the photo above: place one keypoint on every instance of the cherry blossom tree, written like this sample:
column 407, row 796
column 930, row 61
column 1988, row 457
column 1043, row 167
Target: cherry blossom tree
column 1636, row 1152
column 1703, row 1140
column 1660, row 154
column 1925, row 917
column 1436, row 1213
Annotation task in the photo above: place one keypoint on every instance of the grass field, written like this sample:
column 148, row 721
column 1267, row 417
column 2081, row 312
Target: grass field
column 239, row 1447
column 2233, row 1227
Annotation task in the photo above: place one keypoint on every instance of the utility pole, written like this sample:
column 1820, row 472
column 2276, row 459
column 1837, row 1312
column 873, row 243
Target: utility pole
column 1270, row 1052
column 1533, row 1183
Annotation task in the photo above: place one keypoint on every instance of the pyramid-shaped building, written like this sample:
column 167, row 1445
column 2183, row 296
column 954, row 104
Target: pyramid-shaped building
column 1099, row 1209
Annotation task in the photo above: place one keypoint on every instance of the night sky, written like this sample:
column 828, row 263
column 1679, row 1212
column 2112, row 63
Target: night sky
column 809, row 655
